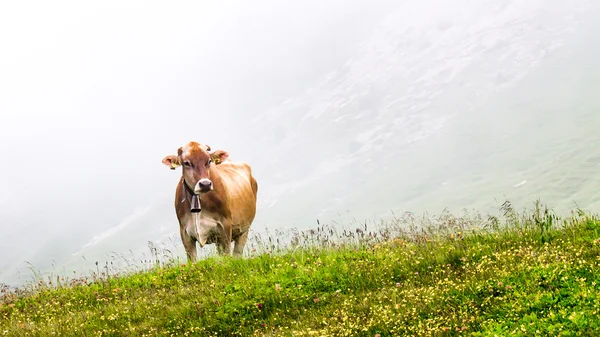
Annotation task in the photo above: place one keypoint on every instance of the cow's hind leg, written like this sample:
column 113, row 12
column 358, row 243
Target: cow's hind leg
column 240, row 242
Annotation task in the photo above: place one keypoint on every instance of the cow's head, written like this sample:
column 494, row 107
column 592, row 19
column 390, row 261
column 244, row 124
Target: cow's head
column 196, row 162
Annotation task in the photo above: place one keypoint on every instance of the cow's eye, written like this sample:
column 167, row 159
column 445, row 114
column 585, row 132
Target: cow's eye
column 209, row 162
column 187, row 163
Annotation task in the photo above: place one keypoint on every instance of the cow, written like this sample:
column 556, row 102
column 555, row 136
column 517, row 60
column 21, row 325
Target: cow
column 215, row 199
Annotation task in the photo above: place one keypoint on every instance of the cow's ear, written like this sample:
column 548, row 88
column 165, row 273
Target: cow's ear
column 219, row 156
column 171, row 161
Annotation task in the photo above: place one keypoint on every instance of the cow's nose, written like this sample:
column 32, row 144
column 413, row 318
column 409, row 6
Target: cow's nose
column 204, row 185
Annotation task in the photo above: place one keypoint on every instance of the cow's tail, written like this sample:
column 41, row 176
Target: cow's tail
column 254, row 186
column 253, row 182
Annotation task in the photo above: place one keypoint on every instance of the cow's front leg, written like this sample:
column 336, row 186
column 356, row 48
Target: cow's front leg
column 240, row 242
column 224, row 246
column 189, row 243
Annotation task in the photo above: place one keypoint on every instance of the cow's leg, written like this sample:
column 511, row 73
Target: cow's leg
column 219, row 244
column 240, row 242
column 189, row 243
column 224, row 246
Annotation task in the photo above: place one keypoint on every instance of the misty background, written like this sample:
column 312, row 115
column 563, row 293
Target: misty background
column 345, row 110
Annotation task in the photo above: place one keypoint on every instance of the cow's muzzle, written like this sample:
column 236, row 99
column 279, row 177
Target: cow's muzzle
column 203, row 186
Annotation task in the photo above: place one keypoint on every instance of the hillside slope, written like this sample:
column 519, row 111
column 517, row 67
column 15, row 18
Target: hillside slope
column 522, row 274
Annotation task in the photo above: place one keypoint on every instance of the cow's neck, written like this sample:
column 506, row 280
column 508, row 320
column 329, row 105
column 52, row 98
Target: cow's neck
column 186, row 188
column 194, row 200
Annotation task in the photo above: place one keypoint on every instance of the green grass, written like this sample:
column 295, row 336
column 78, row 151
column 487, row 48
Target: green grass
column 529, row 274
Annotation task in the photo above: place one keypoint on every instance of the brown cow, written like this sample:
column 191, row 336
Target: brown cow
column 215, row 199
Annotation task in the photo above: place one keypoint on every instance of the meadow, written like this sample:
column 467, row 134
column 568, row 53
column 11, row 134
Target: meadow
column 518, row 273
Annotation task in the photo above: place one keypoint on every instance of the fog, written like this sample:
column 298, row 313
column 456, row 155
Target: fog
column 345, row 110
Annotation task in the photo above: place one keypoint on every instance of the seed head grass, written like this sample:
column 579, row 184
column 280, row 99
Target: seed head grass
column 531, row 273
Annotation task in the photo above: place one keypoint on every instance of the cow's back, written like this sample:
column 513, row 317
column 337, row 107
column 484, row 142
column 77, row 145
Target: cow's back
column 241, row 190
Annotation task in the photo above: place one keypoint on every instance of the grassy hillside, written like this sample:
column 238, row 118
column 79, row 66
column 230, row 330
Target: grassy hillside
column 529, row 274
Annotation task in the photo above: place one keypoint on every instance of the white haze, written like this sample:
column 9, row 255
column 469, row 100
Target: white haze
column 344, row 109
